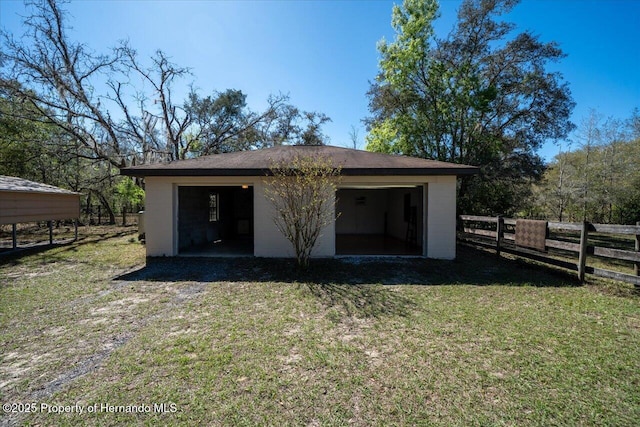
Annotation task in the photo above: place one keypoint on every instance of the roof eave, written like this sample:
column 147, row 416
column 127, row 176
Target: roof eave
column 143, row 172
column 28, row 191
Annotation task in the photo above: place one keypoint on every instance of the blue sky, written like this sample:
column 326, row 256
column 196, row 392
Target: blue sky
column 323, row 53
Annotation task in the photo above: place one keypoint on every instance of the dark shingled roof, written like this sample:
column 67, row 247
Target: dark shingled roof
column 258, row 163
column 14, row 184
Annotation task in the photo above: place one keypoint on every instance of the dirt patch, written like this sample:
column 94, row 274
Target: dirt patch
column 119, row 306
column 99, row 319
column 292, row 358
column 80, row 369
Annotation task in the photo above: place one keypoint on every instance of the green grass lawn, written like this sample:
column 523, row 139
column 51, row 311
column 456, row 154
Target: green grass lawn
column 477, row 341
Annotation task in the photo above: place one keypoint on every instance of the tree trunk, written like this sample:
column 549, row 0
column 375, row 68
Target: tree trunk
column 462, row 192
column 87, row 210
column 107, row 206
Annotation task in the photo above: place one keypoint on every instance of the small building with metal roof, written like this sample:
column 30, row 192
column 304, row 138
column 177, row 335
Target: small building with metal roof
column 24, row 201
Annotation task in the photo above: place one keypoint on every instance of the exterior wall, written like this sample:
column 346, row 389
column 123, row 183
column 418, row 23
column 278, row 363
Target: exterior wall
column 18, row 206
column 439, row 203
column 441, row 218
column 159, row 211
column 269, row 242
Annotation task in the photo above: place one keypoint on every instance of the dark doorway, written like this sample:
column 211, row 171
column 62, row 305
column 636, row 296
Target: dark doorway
column 215, row 221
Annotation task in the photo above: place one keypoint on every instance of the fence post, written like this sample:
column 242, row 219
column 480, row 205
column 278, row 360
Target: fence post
column 99, row 214
column 14, row 235
column 582, row 258
column 50, row 225
column 499, row 233
column 636, row 266
column 75, row 232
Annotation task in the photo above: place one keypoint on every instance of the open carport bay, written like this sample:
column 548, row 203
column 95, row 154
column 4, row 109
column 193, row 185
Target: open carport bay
column 379, row 221
column 215, row 220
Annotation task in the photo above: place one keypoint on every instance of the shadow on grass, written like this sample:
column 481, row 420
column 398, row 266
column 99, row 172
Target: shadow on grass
column 356, row 286
column 472, row 267
column 14, row 256
column 362, row 300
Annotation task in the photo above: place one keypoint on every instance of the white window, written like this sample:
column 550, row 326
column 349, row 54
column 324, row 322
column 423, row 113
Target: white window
column 214, row 214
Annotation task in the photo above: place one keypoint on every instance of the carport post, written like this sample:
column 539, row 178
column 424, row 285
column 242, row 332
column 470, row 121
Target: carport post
column 50, row 224
column 14, row 235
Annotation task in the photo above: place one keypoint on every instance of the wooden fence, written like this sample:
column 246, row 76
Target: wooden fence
column 569, row 245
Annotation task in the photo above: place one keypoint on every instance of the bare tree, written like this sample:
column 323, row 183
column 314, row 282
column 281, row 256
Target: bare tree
column 302, row 193
column 588, row 137
column 560, row 188
column 58, row 78
column 168, row 142
column 94, row 99
column 118, row 109
column 598, row 180
column 90, row 96
column 354, row 136
column 121, row 106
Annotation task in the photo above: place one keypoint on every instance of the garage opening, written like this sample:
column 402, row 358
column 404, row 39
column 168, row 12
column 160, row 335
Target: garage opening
column 215, row 221
column 380, row 221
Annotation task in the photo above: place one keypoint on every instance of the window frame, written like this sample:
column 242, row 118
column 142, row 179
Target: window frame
column 214, row 206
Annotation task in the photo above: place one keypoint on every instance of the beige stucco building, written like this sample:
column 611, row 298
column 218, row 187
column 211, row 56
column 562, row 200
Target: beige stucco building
column 216, row 205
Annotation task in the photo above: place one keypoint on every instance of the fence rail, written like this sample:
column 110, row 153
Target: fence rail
column 571, row 252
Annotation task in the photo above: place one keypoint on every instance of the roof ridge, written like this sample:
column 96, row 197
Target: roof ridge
column 258, row 162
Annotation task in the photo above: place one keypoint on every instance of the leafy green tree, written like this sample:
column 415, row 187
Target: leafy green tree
column 480, row 96
column 627, row 209
column 32, row 148
column 293, row 126
column 219, row 122
column 312, row 133
column 20, row 140
column 222, row 123
column 130, row 196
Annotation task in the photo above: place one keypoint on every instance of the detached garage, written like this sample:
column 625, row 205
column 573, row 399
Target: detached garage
column 385, row 205
column 23, row 201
